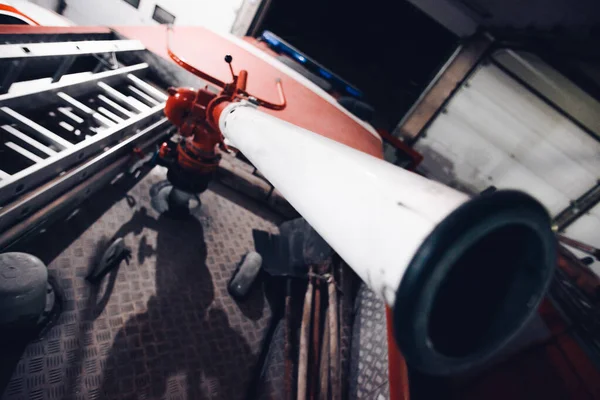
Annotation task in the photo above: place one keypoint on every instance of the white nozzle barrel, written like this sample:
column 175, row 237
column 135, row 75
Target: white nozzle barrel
column 436, row 257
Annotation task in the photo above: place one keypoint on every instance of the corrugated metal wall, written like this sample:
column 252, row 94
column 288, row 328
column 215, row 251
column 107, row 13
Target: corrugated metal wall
column 496, row 132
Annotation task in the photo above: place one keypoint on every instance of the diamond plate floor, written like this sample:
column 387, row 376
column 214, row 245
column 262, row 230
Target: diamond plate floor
column 369, row 367
column 162, row 326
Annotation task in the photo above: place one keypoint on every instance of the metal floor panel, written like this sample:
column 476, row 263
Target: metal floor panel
column 369, row 367
column 168, row 328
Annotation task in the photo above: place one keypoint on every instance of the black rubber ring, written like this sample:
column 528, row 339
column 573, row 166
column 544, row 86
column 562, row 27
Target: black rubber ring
column 466, row 225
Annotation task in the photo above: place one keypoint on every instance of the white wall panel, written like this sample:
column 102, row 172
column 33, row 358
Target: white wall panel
column 216, row 15
column 495, row 132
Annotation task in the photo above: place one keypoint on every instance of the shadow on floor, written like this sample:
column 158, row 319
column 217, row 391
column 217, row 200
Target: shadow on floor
column 178, row 345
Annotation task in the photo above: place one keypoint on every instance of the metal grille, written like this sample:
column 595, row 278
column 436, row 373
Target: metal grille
column 63, row 104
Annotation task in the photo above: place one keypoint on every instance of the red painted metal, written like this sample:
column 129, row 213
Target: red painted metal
column 305, row 108
column 414, row 155
column 196, row 114
column 397, row 370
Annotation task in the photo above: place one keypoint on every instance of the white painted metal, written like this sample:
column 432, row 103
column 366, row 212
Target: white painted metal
column 67, row 112
column 34, row 174
column 146, row 87
column 374, row 214
column 24, row 152
column 553, row 85
column 130, row 101
column 36, row 129
column 31, row 50
column 114, row 105
column 110, row 115
column 216, row 15
column 143, row 95
column 79, row 82
column 66, row 126
column 82, row 107
column 20, row 136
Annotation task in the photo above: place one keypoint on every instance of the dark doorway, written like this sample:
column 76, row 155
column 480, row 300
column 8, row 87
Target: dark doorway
column 390, row 50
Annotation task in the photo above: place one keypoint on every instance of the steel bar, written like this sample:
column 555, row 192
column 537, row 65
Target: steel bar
column 72, row 116
column 29, row 177
column 110, row 115
column 32, row 97
column 85, row 109
column 146, row 87
column 128, row 100
column 11, row 213
column 143, row 95
column 56, row 49
column 4, row 175
column 20, row 136
column 36, row 129
column 24, row 152
column 66, row 126
column 115, row 106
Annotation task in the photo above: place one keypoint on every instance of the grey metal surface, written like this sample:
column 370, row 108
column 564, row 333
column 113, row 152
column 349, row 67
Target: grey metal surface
column 168, row 328
column 369, row 353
